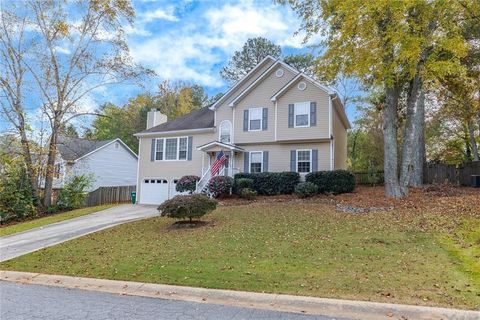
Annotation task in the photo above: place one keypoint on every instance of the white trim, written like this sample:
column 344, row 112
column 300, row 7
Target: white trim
column 260, row 78
column 332, row 153
column 342, row 114
column 295, row 115
column 163, row 133
column 306, row 77
column 219, row 101
column 261, row 118
column 304, row 86
column 164, row 148
column 138, row 173
column 296, row 160
column 250, row 161
column 233, row 126
column 330, row 119
column 221, row 144
column 220, row 131
column 104, row 146
column 276, row 119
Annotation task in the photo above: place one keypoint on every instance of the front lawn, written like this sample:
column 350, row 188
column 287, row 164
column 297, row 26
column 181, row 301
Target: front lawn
column 40, row 222
column 425, row 251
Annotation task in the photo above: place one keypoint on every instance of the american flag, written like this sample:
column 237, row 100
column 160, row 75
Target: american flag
column 218, row 163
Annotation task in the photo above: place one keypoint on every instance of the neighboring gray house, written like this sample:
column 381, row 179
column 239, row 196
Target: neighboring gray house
column 275, row 118
column 110, row 162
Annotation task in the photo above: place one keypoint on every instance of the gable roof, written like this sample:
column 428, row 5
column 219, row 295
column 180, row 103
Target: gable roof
column 260, row 78
column 242, row 80
column 71, row 148
column 197, row 119
column 306, row 77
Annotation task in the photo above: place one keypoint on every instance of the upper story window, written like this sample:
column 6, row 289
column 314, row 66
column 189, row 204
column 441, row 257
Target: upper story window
column 225, row 131
column 171, row 148
column 57, row 169
column 302, row 114
column 255, row 119
column 256, row 161
column 304, row 161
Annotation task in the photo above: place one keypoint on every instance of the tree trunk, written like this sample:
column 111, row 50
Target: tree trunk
column 31, row 171
column 418, row 156
column 52, row 152
column 409, row 133
column 473, row 142
column 390, row 166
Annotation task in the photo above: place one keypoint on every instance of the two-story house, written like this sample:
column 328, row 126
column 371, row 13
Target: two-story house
column 274, row 119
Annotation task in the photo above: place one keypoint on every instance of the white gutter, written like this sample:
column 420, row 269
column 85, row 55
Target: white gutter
column 164, row 133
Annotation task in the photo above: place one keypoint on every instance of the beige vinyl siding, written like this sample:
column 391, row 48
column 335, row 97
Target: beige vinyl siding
column 260, row 97
column 293, row 95
column 340, row 141
column 171, row 169
column 279, row 155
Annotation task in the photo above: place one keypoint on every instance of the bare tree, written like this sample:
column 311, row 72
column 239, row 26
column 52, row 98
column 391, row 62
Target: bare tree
column 83, row 49
column 13, row 48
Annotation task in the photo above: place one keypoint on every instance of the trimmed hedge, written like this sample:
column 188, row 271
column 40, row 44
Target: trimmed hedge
column 187, row 206
column 272, row 183
column 243, row 183
column 187, row 184
column 248, row 194
column 306, row 189
column 220, row 185
column 337, row 181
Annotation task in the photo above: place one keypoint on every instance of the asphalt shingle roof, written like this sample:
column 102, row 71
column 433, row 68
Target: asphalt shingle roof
column 71, row 148
column 197, row 119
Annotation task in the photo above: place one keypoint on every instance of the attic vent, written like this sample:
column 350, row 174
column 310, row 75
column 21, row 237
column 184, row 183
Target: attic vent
column 279, row 73
column 116, row 145
column 302, row 86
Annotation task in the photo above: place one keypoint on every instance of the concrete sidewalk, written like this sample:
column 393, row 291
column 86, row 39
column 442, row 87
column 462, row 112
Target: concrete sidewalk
column 21, row 243
column 279, row 302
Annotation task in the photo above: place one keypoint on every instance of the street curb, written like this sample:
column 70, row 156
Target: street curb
column 278, row 302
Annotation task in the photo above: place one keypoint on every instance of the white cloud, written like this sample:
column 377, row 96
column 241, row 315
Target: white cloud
column 193, row 49
column 161, row 13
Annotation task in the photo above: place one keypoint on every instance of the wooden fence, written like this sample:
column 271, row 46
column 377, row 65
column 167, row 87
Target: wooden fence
column 457, row 175
column 107, row 195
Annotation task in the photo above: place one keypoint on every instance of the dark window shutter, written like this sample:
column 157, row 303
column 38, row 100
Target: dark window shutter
column 314, row 160
column 265, row 161
column 293, row 160
column 313, row 114
column 190, row 148
column 265, row 119
column 291, row 112
column 152, row 151
column 246, row 158
column 245, row 120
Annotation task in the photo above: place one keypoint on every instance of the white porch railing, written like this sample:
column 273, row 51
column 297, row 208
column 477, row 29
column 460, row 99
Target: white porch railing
column 203, row 181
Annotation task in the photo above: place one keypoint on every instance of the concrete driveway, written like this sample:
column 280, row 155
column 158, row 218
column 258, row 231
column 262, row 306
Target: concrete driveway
column 18, row 244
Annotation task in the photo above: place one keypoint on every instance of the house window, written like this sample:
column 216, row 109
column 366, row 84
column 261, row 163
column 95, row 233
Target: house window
column 304, row 161
column 255, row 119
column 256, row 161
column 225, row 131
column 171, row 149
column 56, row 170
column 182, row 149
column 302, row 114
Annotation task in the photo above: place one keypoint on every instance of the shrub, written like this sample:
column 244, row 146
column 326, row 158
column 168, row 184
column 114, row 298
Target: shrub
column 74, row 193
column 220, row 185
column 187, row 206
column 243, row 183
column 272, row 183
column 337, row 181
column 187, row 184
column 16, row 194
column 247, row 193
column 52, row 209
column 306, row 189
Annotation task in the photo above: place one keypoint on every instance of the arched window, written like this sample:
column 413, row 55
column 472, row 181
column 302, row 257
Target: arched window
column 225, row 131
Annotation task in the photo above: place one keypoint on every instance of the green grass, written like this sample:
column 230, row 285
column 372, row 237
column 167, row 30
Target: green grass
column 306, row 249
column 30, row 224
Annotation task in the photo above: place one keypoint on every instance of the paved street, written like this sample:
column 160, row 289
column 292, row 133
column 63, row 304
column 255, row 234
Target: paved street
column 22, row 301
column 25, row 242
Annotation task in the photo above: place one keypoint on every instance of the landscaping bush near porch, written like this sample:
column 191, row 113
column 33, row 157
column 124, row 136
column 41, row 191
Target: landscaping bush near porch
column 272, row 183
column 336, row 182
column 187, row 206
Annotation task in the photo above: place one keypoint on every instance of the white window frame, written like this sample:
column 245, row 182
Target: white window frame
column 250, row 118
column 296, row 158
column 165, row 146
column 250, row 160
column 295, row 113
column 230, row 129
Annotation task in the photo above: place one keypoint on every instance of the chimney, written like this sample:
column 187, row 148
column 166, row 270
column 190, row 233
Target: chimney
column 154, row 118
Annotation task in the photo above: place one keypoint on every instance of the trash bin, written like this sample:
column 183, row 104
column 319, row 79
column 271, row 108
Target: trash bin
column 134, row 197
column 475, row 181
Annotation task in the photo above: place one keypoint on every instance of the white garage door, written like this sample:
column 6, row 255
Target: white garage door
column 154, row 191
